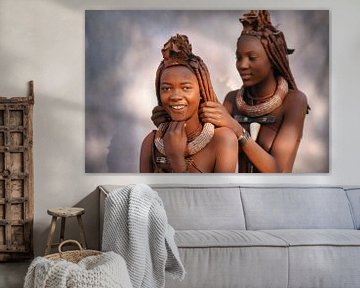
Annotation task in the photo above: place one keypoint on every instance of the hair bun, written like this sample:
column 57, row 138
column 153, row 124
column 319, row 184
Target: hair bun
column 256, row 20
column 177, row 50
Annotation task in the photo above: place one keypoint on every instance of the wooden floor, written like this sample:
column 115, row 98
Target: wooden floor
column 12, row 274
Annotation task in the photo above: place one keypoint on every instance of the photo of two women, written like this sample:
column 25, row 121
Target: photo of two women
column 207, row 91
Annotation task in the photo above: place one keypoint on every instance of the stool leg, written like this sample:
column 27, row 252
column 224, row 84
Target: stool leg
column 62, row 230
column 82, row 232
column 51, row 234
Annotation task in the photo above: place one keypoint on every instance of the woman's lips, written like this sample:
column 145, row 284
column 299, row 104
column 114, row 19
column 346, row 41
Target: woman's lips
column 246, row 76
column 177, row 107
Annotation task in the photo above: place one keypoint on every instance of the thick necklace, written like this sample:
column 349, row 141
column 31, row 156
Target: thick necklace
column 194, row 146
column 192, row 135
column 266, row 107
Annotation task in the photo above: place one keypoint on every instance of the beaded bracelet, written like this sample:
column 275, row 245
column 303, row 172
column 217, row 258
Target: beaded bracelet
column 244, row 137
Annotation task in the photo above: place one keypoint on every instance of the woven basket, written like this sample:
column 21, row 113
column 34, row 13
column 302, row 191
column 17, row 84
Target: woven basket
column 72, row 256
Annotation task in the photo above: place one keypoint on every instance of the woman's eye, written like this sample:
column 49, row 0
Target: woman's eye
column 252, row 57
column 165, row 89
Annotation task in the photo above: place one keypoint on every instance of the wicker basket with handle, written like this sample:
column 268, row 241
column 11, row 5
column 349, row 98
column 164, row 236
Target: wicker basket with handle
column 74, row 255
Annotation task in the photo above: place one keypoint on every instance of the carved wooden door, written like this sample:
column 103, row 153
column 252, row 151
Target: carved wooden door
column 16, row 177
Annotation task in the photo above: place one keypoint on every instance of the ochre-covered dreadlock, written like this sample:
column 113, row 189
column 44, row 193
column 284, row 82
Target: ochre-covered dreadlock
column 258, row 23
column 178, row 51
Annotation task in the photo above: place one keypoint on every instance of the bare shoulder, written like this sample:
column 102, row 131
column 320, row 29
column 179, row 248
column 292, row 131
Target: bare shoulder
column 297, row 97
column 229, row 101
column 148, row 141
column 230, row 96
column 225, row 135
column 296, row 105
column 146, row 154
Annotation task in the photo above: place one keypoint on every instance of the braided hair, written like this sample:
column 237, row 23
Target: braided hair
column 258, row 23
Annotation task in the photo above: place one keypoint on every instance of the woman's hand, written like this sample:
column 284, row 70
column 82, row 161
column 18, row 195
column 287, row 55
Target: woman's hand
column 159, row 115
column 175, row 142
column 217, row 114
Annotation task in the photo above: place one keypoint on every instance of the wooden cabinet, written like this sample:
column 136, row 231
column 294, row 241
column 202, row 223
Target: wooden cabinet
column 16, row 177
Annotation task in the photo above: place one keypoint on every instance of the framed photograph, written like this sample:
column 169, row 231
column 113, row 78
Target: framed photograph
column 123, row 53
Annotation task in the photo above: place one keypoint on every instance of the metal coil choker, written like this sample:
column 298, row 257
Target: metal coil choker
column 266, row 107
column 194, row 146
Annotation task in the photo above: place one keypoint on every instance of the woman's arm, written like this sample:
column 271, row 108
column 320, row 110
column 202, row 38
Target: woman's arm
column 175, row 145
column 226, row 150
column 175, row 142
column 220, row 114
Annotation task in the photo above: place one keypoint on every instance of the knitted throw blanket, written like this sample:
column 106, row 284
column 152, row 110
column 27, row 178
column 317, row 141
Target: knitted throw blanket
column 135, row 226
column 107, row 270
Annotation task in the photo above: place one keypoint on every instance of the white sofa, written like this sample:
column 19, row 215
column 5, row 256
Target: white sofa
column 279, row 236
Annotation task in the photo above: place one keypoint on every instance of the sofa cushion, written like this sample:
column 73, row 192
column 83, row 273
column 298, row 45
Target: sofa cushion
column 354, row 198
column 226, row 238
column 218, row 267
column 192, row 207
column 329, row 258
column 324, row 266
column 296, row 208
column 317, row 237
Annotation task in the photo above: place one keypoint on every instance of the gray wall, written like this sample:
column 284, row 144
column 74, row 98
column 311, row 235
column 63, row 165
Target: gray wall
column 44, row 41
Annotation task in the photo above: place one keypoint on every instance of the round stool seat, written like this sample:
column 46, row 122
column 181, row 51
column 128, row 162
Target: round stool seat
column 66, row 211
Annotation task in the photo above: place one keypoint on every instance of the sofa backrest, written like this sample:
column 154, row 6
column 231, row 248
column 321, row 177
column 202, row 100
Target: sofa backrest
column 296, row 208
column 236, row 207
column 202, row 207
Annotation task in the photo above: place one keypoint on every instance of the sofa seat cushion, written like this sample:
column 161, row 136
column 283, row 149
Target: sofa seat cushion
column 322, row 258
column 231, row 258
column 226, row 238
column 220, row 267
column 315, row 237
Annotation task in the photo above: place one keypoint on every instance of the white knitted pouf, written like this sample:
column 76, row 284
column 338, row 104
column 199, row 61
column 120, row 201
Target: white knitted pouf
column 107, row 270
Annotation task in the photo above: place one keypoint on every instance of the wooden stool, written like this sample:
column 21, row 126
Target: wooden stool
column 64, row 213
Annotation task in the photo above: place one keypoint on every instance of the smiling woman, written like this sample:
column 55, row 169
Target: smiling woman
column 184, row 143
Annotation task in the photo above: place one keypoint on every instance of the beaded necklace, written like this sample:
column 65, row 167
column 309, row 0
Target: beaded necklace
column 194, row 146
column 266, row 107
